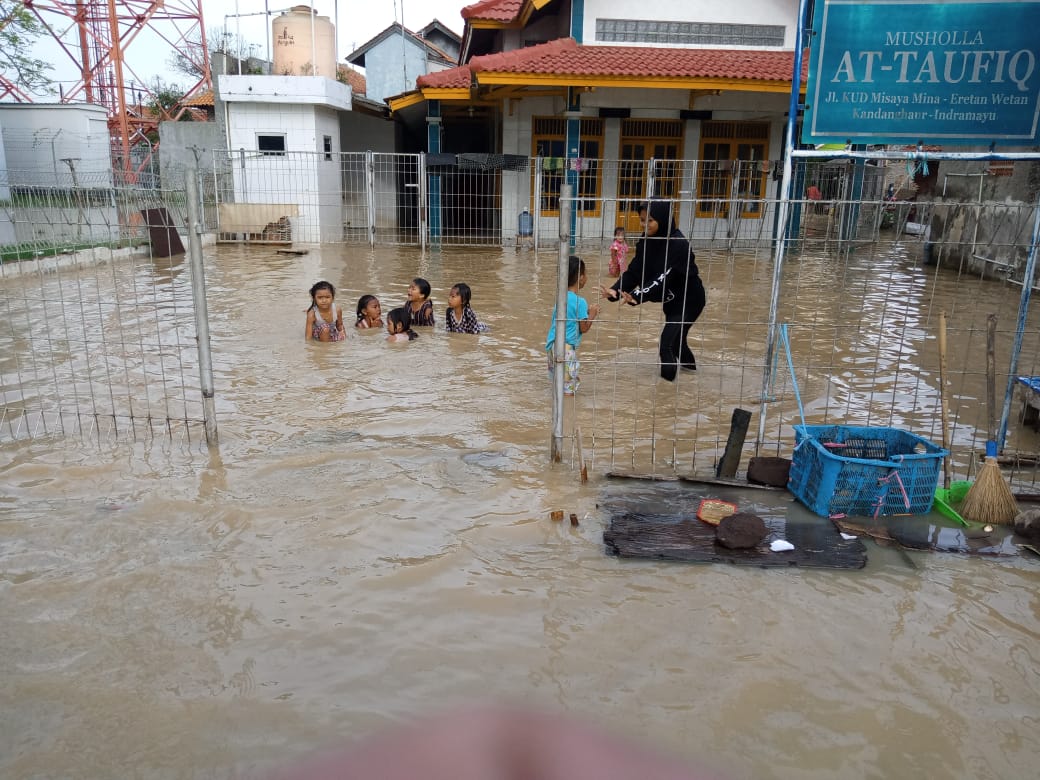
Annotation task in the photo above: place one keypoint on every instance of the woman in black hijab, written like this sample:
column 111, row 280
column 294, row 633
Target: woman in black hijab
column 664, row 269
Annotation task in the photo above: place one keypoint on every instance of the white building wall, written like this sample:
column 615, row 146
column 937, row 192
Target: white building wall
column 291, row 179
column 304, row 109
column 771, row 12
column 38, row 137
column 328, row 193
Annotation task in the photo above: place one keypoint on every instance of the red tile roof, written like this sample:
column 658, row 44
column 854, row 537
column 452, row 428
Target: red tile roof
column 357, row 82
column 493, row 10
column 204, row 98
column 453, row 78
column 565, row 57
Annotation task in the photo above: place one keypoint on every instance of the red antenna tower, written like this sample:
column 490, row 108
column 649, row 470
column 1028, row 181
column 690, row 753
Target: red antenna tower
column 98, row 36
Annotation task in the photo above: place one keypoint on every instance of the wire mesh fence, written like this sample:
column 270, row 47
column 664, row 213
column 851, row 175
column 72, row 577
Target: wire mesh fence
column 92, row 343
column 862, row 287
column 97, row 333
column 483, row 199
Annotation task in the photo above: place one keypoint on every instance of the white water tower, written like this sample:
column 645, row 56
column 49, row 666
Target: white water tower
column 304, row 43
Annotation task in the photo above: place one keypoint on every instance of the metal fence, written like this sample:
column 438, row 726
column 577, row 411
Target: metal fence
column 483, row 199
column 874, row 257
column 98, row 337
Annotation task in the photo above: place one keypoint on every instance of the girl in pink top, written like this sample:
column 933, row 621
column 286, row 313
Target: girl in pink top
column 618, row 253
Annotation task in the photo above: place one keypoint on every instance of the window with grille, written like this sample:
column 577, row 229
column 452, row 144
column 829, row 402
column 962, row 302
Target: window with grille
column 688, row 33
column 549, row 142
column 648, row 165
column 271, row 144
column 734, row 168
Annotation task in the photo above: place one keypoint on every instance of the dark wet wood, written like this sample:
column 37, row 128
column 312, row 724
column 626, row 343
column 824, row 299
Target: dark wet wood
column 734, row 444
column 731, row 483
column 684, row 538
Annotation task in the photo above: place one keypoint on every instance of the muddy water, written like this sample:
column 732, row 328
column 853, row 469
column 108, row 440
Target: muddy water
column 372, row 541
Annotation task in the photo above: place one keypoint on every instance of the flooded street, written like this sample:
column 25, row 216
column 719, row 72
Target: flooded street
column 372, row 542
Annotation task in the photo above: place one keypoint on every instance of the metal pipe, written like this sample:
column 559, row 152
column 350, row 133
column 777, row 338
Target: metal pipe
column 370, row 195
column 314, row 47
column 560, row 342
column 198, row 295
column 1023, row 313
column 782, row 208
column 888, row 155
column 537, row 200
column 423, row 227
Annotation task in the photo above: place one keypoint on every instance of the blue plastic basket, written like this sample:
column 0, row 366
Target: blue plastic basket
column 841, row 469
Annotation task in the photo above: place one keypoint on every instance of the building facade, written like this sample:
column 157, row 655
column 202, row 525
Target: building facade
column 689, row 104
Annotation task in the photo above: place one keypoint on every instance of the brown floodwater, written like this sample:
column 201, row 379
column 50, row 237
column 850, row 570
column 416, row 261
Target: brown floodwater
column 371, row 540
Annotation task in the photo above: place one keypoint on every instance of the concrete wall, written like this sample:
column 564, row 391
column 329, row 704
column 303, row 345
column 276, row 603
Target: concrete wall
column 392, row 66
column 38, row 137
column 364, row 133
column 286, row 90
column 175, row 152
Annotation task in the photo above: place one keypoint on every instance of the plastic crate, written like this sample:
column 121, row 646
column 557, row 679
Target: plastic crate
column 841, row 469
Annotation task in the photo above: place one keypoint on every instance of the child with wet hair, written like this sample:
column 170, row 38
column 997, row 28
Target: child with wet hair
column 419, row 305
column 399, row 325
column 324, row 317
column 369, row 312
column 459, row 316
column 579, row 319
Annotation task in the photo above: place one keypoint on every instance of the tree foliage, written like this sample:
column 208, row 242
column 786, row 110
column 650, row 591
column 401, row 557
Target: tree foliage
column 19, row 29
column 219, row 41
column 164, row 98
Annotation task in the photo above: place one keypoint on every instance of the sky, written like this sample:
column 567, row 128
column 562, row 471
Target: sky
column 358, row 22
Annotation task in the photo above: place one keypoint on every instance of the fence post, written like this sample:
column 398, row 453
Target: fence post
column 560, row 342
column 370, row 195
column 198, row 296
column 422, row 201
column 1020, row 327
column 537, row 199
column 783, row 210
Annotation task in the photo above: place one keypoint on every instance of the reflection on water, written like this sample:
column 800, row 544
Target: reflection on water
column 372, row 541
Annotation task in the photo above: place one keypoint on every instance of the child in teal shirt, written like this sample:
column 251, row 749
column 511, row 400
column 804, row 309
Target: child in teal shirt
column 579, row 319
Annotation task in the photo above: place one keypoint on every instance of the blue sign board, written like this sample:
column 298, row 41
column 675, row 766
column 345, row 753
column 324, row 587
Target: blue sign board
column 899, row 72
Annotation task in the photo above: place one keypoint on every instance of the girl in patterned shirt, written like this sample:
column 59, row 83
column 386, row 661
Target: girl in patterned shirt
column 419, row 305
column 459, row 316
column 324, row 318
